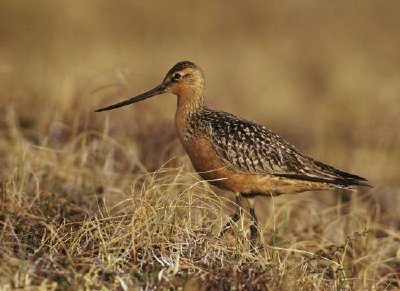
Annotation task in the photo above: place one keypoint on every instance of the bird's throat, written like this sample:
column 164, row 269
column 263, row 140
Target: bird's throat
column 190, row 101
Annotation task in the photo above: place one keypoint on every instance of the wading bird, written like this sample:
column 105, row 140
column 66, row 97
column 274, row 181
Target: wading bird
column 238, row 155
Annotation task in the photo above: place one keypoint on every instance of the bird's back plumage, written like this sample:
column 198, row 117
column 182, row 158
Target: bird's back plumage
column 254, row 149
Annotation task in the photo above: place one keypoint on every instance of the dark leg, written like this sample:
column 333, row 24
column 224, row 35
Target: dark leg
column 254, row 235
column 235, row 217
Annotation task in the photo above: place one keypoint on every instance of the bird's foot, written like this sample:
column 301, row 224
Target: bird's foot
column 255, row 244
column 235, row 217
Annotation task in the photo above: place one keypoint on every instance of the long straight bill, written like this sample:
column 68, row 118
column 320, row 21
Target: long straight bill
column 160, row 89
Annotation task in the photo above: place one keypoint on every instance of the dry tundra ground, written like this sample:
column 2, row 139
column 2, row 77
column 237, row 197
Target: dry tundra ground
column 110, row 201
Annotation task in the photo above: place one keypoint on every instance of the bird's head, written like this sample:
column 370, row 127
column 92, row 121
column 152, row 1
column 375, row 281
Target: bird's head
column 185, row 79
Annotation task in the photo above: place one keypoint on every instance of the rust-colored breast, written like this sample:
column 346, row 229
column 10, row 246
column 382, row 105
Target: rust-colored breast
column 212, row 168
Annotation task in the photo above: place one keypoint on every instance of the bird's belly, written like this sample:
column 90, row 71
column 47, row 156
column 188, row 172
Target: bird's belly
column 214, row 170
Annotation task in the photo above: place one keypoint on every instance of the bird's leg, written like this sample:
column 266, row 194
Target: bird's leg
column 254, row 235
column 235, row 217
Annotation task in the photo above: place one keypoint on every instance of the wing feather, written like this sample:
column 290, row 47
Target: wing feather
column 251, row 148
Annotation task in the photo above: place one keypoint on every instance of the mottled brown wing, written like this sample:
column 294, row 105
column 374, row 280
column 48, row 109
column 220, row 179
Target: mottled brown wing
column 249, row 147
column 252, row 148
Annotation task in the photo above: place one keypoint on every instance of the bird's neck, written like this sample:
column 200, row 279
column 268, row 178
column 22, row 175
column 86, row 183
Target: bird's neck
column 190, row 105
column 190, row 101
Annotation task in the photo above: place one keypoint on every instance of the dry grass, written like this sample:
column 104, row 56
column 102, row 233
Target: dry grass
column 110, row 200
column 72, row 215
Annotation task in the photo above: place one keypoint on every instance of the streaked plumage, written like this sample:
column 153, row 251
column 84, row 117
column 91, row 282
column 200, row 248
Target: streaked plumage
column 251, row 148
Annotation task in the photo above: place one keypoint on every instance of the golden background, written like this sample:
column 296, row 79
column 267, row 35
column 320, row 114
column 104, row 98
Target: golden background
column 325, row 75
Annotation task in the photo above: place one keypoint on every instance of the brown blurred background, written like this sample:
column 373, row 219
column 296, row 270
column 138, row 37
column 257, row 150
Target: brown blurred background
column 324, row 74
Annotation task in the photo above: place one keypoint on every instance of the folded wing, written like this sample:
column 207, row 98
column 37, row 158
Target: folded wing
column 252, row 148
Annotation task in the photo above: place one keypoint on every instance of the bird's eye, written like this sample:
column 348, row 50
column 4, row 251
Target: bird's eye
column 177, row 76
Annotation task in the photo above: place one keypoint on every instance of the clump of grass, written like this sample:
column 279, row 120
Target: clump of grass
column 71, row 215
